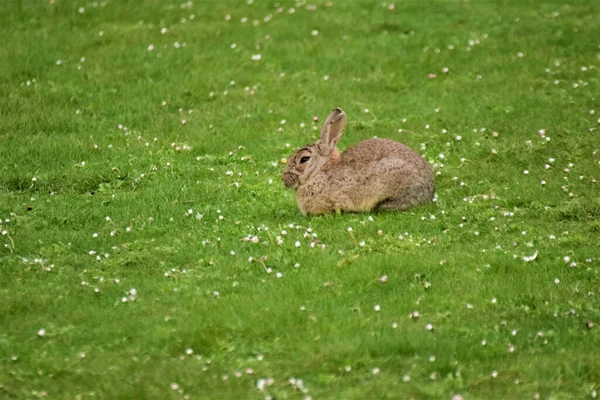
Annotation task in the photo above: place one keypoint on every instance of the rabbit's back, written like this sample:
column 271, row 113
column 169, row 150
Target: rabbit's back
column 385, row 174
column 373, row 150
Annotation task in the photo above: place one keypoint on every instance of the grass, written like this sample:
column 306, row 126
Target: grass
column 127, row 196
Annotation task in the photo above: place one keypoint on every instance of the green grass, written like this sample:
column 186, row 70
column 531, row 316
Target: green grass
column 513, row 68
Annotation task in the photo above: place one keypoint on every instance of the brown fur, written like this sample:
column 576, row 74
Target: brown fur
column 375, row 174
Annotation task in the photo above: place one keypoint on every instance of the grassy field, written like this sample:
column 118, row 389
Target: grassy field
column 149, row 249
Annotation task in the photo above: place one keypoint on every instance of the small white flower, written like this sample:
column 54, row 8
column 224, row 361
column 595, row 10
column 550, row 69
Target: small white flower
column 256, row 57
column 494, row 374
column 260, row 384
column 429, row 327
column 377, row 307
column 151, row 47
column 41, row 332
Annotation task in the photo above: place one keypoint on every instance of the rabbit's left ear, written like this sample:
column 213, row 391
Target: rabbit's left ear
column 332, row 130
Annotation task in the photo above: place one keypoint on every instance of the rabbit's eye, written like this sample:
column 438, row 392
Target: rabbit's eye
column 304, row 159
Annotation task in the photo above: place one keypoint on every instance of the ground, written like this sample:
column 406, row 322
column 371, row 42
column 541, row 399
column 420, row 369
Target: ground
column 149, row 249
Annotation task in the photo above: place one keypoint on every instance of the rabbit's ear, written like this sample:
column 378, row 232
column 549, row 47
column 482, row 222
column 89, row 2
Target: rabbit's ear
column 332, row 130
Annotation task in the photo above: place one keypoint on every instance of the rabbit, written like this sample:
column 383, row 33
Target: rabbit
column 375, row 174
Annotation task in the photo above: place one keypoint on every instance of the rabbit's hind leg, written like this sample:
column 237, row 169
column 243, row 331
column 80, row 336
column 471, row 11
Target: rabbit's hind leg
column 394, row 204
column 406, row 198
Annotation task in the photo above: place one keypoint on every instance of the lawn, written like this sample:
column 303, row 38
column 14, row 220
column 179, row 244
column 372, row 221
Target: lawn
column 149, row 249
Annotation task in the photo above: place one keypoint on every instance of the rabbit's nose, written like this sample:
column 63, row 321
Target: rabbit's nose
column 288, row 180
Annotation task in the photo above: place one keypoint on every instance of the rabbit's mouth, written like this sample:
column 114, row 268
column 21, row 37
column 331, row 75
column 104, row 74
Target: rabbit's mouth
column 291, row 180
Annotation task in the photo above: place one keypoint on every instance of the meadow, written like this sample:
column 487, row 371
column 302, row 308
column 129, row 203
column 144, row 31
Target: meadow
column 149, row 249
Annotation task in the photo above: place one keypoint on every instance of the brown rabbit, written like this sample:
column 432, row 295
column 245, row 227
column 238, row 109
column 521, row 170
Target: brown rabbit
column 375, row 174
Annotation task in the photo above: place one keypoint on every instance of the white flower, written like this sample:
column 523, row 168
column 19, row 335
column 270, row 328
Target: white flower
column 256, row 57
column 41, row 332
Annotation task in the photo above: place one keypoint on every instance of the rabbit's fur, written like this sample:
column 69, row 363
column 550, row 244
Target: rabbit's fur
column 375, row 174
